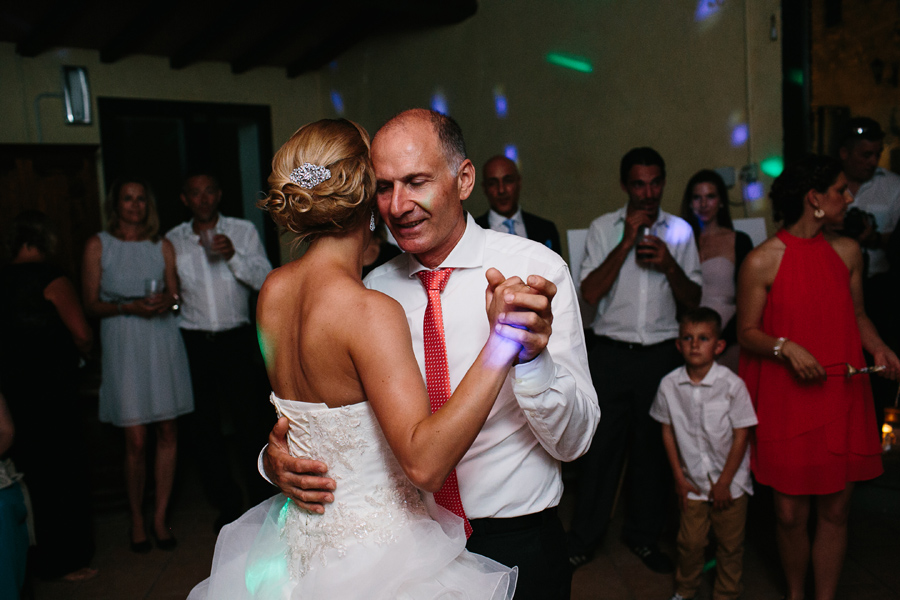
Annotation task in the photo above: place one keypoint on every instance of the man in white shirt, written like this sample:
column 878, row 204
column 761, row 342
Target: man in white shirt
column 546, row 412
column 220, row 262
column 640, row 266
column 502, row 183
column 876, row 191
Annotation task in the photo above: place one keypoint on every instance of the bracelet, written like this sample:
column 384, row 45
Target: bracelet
column 778, row 346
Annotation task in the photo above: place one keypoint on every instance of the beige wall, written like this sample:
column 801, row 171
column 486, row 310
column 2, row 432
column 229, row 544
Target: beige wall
column 659, row 78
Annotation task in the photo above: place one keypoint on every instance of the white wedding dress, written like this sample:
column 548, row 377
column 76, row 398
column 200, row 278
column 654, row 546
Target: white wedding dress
column 376, row 541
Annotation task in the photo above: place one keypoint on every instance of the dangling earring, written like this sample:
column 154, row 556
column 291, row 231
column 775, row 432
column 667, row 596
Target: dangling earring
column 819, row 213
column 372, row 222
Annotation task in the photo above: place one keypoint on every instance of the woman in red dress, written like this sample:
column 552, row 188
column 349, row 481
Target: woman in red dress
column 800, row 320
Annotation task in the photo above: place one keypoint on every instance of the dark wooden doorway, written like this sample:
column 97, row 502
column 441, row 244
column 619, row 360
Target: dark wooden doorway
column 161, row 141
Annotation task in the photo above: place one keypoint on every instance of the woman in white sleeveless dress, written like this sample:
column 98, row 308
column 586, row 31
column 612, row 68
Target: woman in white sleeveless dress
column 342, row 369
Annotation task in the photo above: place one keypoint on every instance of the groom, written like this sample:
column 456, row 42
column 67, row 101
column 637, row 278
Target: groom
column 546, row 412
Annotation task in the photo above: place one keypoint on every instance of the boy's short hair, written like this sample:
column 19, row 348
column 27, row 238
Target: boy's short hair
column 703, row 314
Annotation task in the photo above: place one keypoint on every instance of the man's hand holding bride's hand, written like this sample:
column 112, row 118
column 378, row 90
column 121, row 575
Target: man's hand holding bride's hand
column 298, row 478
column 522, row 309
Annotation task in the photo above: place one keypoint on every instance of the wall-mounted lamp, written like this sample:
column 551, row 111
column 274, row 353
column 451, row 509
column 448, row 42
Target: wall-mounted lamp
column 77, row 95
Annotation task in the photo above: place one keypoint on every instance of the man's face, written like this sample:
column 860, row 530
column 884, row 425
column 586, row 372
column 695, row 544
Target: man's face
column 419, row 198
column 501, row 186
column 644, row 186
column 861, row 159
column 202, row 196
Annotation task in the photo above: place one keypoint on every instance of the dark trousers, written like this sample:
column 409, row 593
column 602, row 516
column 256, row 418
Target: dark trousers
column 229, row 382
column 626, row 379
column 538, row 548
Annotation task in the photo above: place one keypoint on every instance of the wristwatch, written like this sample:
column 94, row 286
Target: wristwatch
column 778, row 346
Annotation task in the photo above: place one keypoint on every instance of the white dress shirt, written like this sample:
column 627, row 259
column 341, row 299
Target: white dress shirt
column 215, row 292
column 498, row 223
column 546, row 411
column 640, row 307
column 703, row 417
column 881, row 197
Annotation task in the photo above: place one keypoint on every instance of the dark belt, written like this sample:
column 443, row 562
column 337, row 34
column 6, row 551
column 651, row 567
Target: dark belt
column 214, row 336
column 631, row 345
column 491, row 526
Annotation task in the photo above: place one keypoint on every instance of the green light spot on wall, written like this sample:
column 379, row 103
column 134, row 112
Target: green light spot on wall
column 576, row 63
column 772, row 166
column 795, row 76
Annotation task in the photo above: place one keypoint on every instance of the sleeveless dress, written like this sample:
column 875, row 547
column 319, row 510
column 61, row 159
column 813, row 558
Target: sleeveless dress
column 145, row 368
column 376, row 541
column 812, row 438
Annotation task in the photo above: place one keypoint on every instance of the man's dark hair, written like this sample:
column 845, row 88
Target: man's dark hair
column 200, row 173
column 34, row 228
column 703, row 314
column 451, row 137
column 643, row 156
column 861, row 128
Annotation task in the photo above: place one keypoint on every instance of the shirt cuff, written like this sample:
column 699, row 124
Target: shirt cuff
column 259, row 465
column 535, row 376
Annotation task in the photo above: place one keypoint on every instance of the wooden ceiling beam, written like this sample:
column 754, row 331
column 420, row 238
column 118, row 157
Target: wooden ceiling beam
column 224, row 24
column 132, row 37
column 46, row 33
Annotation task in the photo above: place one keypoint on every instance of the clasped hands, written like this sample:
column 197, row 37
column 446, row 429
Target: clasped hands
column 517, row 310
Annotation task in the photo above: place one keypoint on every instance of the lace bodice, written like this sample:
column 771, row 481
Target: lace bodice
column 373, row 498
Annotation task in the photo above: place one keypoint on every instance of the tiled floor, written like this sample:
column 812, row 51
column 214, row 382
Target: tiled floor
column 872, row 570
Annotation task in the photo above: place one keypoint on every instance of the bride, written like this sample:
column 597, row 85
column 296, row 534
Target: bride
column 346, row 352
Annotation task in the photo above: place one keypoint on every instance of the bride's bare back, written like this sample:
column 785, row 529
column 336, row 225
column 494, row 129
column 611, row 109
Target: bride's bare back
column 313, row 318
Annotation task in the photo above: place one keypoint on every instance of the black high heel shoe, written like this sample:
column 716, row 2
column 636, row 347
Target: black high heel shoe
column 139, row 547
column 168, row 543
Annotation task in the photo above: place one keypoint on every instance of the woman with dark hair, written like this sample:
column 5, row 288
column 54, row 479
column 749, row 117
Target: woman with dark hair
column 371, row 422
column 130, row 283
column 722, row 250
column 801, row 322
column 43, row 330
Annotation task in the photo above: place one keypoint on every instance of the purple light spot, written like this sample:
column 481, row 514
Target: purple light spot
column 511, row 152
column 500, row 106
column 337, row 102
column 739, row 135
column 439, row 103
column 753, row 191
column 333, row 65
column 706, row 9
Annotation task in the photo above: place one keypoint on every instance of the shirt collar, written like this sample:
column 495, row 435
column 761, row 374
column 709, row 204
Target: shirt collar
column 495, row 217
column 218, row 226
column 468, row 252
column 711, row 376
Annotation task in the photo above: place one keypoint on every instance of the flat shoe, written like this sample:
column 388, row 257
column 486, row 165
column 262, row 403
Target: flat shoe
column 654, row 559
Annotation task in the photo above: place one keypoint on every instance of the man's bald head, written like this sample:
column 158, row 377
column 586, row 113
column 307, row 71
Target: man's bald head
column 446, row 129
column 502, row 183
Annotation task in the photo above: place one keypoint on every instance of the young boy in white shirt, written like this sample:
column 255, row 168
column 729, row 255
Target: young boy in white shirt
column 706, row 413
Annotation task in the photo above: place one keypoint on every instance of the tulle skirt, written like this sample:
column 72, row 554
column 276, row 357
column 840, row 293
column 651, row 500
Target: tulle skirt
column 424, row 559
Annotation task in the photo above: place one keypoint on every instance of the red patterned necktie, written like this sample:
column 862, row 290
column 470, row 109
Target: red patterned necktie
column 437, row 376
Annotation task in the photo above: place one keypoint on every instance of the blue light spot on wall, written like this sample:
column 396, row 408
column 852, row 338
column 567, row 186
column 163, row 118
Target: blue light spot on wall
column 511, row 152
column 439, row 103
column 500, row 105
column 706, row 9
column 754, row 191
column 333, row 65
column 739, row 135
column 337, row 102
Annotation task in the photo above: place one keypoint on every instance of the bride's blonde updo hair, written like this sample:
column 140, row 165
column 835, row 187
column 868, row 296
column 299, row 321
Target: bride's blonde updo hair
column 332, row 206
